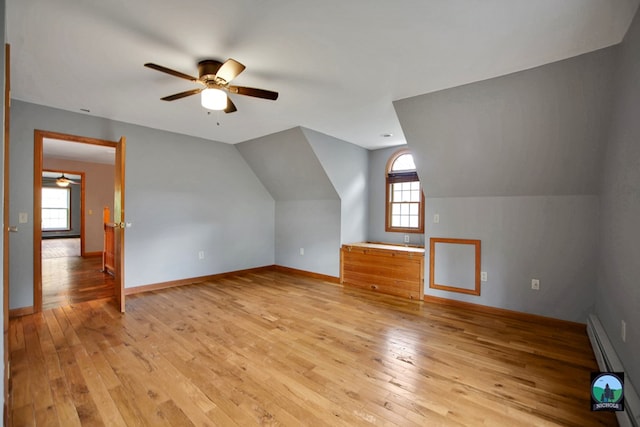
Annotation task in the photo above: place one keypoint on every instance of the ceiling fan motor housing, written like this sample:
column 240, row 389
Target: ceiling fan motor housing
column 207, row 70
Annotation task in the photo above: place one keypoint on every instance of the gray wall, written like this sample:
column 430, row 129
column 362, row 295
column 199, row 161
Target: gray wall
column 550, row 238
column 515, row 161
column 346, row 166
column 314, row 226
column 618, row 288
column 183, row 195
column 307, row 204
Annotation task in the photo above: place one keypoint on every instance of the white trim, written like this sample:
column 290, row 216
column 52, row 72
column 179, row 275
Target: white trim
column 608, row 361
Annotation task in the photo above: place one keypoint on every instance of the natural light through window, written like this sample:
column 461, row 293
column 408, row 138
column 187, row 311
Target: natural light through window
column 55, row 208
column 405, row 211
column 404, row 162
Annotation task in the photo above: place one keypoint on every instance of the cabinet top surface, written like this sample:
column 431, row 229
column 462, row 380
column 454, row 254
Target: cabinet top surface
column 384, row 246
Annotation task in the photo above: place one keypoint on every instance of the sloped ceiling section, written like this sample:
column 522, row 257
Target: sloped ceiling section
column 535, row 132
column 288, row 167
column 344, row 163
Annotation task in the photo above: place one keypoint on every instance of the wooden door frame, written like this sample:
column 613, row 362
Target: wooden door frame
column 39, row 136
column 5, row 231
column 119, row 218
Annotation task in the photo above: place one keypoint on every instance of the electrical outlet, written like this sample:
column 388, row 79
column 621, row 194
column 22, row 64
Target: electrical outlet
column 301, row 251
column 201, row 255
column 623, row 330
column 535, row 284
column 407, row 238
column 436, row 218
column 483, row 276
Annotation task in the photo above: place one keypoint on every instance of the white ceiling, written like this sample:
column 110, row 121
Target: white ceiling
column 77, row 151
column 337, row 64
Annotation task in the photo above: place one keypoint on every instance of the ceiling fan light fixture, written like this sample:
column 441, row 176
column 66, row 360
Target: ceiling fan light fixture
column 213, row 99
column 62, row 182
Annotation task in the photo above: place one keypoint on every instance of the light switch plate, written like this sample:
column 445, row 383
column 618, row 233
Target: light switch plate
column 23, row 217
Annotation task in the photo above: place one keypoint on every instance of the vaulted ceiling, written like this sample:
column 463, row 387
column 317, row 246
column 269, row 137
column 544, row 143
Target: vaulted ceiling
column 337, row 65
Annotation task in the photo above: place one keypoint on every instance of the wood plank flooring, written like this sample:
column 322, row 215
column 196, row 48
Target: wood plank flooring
column 71, row 279
column 274, row 348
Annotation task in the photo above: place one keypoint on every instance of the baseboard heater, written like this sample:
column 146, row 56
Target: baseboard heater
column 608, row 361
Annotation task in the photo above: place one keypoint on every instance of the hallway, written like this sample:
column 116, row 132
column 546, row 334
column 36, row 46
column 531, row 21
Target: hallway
column 68, row 278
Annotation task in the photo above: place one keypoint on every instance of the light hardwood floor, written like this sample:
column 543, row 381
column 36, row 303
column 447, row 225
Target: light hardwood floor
column 68, row 278
column 274, row 348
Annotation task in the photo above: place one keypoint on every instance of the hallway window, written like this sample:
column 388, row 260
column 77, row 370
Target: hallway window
column 405, row 201
column 55, row 208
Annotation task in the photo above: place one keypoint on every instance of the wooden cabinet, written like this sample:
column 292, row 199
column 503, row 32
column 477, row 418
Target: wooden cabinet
column 389, row 269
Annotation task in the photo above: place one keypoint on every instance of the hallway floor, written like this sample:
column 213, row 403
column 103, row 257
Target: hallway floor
column 68, row 278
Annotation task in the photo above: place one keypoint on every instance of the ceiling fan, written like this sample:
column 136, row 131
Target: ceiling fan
column 215, row 78
column 63, row 181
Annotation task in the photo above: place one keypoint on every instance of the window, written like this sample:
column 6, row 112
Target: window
column 405, row 201
column 55, row 208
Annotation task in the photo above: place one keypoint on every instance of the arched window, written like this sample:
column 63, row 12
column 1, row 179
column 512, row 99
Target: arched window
column 405, row 201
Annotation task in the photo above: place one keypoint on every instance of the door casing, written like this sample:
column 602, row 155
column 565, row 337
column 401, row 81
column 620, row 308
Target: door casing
column 39, row 136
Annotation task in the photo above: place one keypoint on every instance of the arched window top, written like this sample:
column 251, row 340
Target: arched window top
column 401, row 167
column 403, row 162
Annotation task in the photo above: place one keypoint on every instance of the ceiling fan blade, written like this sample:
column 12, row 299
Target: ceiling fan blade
column 181, row 94
column 63, row 181
column 256, row 93
column 230, row 106
column 230, row 70
column 170, row 71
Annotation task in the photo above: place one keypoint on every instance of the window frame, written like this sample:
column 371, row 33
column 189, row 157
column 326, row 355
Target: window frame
column 68, row 209
column 399, row 177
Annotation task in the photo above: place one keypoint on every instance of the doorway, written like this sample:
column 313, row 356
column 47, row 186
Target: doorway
column 84, row 176
column 70, row 274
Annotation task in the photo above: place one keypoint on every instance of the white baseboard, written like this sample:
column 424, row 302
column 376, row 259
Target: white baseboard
column 608, row 361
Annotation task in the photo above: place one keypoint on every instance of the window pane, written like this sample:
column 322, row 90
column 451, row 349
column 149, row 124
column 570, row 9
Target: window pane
column 403, row 163
column 55, row 208
column 55, row 219
column 55, row 198
column 404, row 207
